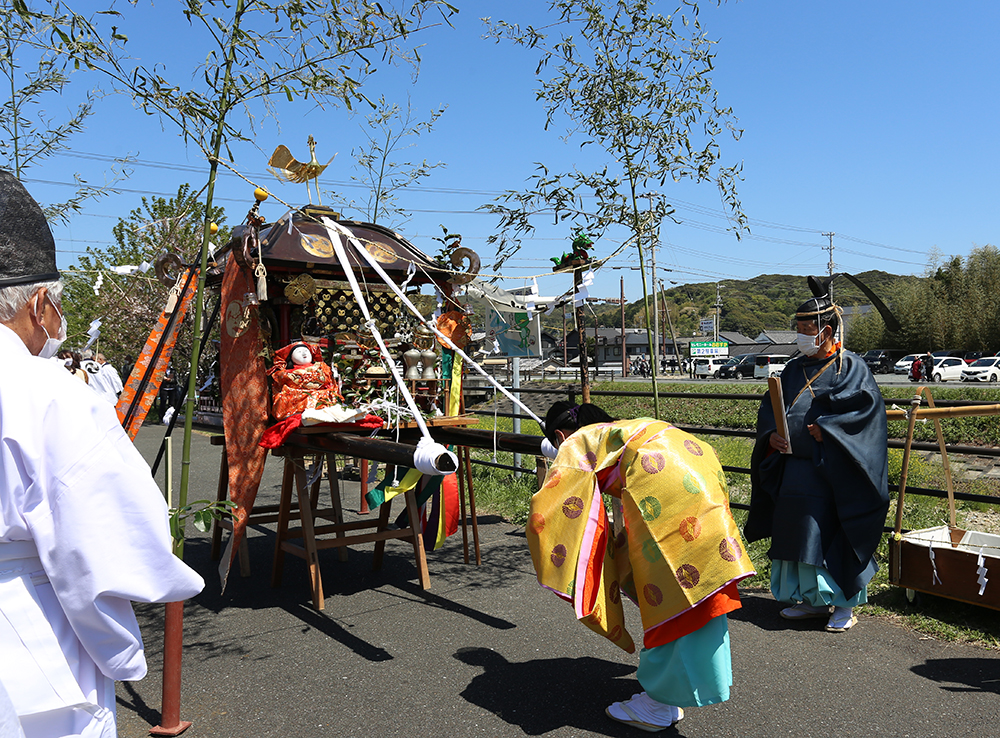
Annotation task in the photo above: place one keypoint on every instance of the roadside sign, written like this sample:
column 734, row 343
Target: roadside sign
column 709, row 348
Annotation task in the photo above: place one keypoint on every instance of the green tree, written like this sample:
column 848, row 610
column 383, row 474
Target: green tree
column 259, row 52
column 129, row 304
column 34, row 78
column 955, row 306
column 636, row 84
column 380, row 172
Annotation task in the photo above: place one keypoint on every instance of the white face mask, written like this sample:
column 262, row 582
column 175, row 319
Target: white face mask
column 809, row 345
column 52, row 345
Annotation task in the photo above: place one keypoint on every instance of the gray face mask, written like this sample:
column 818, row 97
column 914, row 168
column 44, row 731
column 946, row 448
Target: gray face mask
column 52, row 344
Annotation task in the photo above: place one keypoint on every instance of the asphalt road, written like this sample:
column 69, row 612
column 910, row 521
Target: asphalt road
column 487, row 652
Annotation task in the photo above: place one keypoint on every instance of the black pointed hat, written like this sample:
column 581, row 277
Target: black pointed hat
column 820, row 307
column 27, row 249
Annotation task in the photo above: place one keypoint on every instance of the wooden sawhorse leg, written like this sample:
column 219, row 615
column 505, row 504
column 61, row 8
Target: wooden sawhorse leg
column 465, row 483
column 221, row 495
column 218, row 525
column 284, row 512
column 338, row 508
column 419, row 554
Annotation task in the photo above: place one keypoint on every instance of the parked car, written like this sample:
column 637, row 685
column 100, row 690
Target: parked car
column 881, row 361
column 972, row 356
column 903, row 365
column 709, row 366
column 738, row 367
column 948, row 352
column 947, row 367
column 769, row 365
column 983, row 370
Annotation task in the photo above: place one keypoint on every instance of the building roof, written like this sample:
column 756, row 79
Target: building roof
column 735, row 338
column 772, row 336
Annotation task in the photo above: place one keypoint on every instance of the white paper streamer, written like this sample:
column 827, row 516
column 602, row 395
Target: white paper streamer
column 981, row 570
column 94, row 332
column 411, row 270
column 935, row 579
column 98, row 283
column 509, row 302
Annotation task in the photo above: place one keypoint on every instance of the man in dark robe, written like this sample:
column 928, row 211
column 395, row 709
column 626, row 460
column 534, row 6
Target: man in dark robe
column 823, row 501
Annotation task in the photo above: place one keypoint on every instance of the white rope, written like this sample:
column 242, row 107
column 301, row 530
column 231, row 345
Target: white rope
column 429, row 454
column 431, row 325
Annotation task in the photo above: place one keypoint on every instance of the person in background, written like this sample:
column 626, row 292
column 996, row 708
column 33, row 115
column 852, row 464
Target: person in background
column 821, row 494
column 106, row 381
column 87, row 362
column 928, row 364
column 127, row 365
column 71, row 360
column 83, row 528
column 673, row 548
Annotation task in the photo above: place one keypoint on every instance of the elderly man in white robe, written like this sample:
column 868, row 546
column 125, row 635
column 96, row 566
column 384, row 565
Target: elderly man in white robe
column 83, row 527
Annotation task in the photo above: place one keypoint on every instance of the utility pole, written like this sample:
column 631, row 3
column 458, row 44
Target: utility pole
column 565, row 350
column 624, row 351
column 654, row 359
column 718, row 309
column 830, row 264
column 581, row 340
column 670, row 324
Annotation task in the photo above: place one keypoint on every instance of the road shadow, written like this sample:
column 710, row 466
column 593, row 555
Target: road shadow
column 761, row 611
column 962, row 675
column 137, row 705
column 543, row 695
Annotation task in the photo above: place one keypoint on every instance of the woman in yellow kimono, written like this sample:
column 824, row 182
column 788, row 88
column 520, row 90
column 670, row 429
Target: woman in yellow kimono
column 673, row 549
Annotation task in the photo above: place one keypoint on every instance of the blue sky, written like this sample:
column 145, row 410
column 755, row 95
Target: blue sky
column 872, row 120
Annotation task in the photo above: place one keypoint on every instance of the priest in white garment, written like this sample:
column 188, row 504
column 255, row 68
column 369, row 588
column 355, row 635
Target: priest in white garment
column 83, row 526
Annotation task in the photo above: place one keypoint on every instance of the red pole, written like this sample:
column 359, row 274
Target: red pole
column 173, row 639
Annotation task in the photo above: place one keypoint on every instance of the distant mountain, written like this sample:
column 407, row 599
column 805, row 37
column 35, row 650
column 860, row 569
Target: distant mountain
column 748, row 306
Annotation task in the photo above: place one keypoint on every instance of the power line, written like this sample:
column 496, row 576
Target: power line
column 683, row 204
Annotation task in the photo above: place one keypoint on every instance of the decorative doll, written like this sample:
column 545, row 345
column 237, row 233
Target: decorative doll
column 302, row 380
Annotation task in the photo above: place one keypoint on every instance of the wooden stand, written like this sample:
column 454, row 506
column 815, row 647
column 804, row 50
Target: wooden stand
column 309, row 532
column 260, row 515
column 943, row 561
column 291, row 507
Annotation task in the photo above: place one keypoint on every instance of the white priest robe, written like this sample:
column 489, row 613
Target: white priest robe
column 83, row 532
column 106, row 383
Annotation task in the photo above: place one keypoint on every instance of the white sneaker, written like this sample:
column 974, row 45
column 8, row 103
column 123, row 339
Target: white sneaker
column 803, row 611
column 843, row 618
column 645, row 713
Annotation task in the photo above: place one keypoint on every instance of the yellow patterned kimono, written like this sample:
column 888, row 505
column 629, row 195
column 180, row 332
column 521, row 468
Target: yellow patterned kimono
column 679, row 544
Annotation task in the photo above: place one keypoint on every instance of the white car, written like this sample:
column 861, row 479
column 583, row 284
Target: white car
column 903, row 365
column 769, row 365
column 986, row 369
column 709, row 367
column 948, row 367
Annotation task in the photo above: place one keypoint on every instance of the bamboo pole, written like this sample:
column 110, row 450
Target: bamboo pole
column 962, row 411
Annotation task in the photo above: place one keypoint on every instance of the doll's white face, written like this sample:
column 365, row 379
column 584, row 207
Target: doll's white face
column 301, row 356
